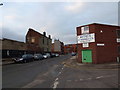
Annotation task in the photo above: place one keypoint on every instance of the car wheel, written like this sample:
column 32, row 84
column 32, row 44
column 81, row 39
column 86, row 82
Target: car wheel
column 32, row 60
column 15, row 62
column 24, row 61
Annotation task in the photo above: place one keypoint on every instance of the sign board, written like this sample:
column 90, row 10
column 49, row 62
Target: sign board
column 85, row 44
column 100, row 44
column 86, row 38
column 118, row 39
column 85, row 30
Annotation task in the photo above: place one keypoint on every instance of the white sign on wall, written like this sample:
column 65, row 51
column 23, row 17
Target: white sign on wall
column 86, row 38
column 100, row 44
column 85, row 44
column 118, row 39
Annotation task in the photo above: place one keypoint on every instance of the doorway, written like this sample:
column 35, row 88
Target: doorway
column 87, row 56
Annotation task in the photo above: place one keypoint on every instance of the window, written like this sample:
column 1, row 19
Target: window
column 85, row 30
column 47, row 41
column 33, row 40
column 28, row 39
column 118, row 49
column 118, row 33
column 8, row 53
column 43, row 40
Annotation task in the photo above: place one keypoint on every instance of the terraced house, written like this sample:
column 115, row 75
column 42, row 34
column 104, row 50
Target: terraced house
column 38, row 42
column 58, row 47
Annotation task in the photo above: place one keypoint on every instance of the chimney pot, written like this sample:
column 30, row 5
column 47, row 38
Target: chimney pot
column 44, row 33
column 49, row 36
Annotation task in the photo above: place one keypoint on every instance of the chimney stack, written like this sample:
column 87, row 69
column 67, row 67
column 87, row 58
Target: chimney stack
column 49, row 36
column 44, row 33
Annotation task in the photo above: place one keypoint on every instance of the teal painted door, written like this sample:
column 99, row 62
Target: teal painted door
column 87, row 56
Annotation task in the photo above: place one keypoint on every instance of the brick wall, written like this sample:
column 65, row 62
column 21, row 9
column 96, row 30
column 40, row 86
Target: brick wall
column 38, row 42
column 104, row 34
column 13, row 45
column 70, row 48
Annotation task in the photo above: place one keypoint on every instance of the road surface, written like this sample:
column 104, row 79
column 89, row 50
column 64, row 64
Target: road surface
column 53, row 73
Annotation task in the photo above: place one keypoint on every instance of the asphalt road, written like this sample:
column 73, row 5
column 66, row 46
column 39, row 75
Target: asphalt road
column 28, row 75
column 52, row 73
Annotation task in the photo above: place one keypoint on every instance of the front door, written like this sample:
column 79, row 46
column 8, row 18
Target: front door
column 87, row 56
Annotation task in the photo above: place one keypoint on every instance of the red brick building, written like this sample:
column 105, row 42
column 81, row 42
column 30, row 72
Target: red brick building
column 12, row 48
column 69, row 48
column 52, row 48
column 32, row 39
column 57, row 47
column 38, row 42
column 98, row 43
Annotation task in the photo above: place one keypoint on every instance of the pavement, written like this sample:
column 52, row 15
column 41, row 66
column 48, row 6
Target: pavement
column 72, row 62
column 60, row 72
column 6, row 61
column 80, row 75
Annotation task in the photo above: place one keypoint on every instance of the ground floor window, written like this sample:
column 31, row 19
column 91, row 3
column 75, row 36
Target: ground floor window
column 118, row 49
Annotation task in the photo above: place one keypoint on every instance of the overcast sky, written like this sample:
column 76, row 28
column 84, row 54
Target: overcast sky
column 58, row 19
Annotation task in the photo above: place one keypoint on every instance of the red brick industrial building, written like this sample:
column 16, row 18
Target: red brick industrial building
column 69, row 48
column 98, row 43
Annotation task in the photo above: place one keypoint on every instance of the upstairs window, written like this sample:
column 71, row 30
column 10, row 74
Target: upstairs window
column 85, row 30
column 43, row 40
column 47, row 42
column 28, row 39
column 32, row 39
column 118, row 33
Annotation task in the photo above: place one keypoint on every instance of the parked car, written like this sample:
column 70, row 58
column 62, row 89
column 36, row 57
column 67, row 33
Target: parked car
column 38, row 56
column 53, row 55
column 46, row 55
column 57, row 55
column 24, row 58
column 73, row 53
